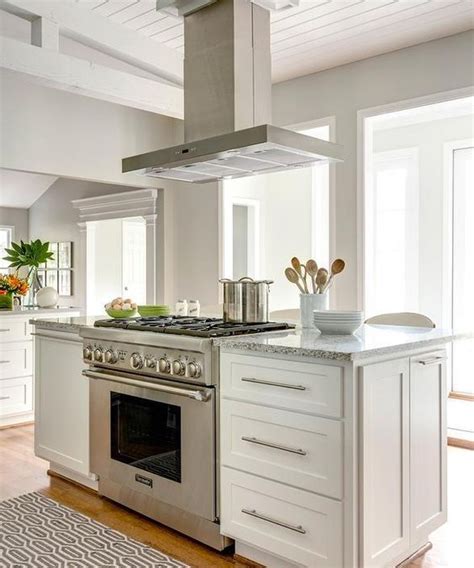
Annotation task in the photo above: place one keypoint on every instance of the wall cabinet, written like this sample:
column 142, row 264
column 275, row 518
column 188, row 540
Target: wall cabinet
column 62, row 405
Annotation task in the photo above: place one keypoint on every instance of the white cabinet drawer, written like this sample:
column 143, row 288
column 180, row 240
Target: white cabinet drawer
column 305, row 387
column 14, row 329
column 15, row 359
column 16, row 396
column 291, row 523
column 297, row 449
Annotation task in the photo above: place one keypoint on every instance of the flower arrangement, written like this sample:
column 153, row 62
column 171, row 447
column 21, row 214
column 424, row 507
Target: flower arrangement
column 11, row 285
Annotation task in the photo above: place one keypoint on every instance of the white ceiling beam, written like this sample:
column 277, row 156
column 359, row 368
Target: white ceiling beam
column 45, row 33
column 52, row 69
column 82, row 24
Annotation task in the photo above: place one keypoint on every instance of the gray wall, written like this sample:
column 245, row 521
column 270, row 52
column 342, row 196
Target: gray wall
column 17, row 218
column 433, row 67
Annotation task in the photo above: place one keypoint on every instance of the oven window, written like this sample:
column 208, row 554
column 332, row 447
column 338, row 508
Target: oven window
column 146, row 434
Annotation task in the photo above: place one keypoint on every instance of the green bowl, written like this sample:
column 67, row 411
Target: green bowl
column 122, row 314
column 149, row 311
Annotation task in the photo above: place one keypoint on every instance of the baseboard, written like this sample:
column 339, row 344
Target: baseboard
column 61, row 472
column 16, row 424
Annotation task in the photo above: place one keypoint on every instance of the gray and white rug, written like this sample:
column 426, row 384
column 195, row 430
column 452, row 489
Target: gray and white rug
column 38, row 532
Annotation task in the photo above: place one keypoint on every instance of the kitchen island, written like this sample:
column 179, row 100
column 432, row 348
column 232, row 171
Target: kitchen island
column 333, row 448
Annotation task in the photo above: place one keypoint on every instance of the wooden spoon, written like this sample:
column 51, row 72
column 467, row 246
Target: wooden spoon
column 296, row 264
column 336, row 268
column 321, row 280
column 294, row 278
column 312, row 270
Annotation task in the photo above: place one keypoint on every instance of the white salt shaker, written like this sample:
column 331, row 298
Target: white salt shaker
column 194, row 308
column 181, row 308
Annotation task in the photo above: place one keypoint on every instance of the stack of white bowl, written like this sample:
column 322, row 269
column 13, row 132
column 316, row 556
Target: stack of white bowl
column 336, row 322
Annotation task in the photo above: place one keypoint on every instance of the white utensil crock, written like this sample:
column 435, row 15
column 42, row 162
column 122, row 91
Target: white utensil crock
column 47, row 297
column 309, row 303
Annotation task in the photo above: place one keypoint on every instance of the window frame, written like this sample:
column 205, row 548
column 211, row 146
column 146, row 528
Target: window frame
column 11, row 229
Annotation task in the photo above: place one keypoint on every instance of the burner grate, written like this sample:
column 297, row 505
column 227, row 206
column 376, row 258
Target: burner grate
column 196, row 327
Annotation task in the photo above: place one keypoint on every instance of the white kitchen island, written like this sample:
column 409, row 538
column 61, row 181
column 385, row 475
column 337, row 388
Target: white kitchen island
column 333, row 449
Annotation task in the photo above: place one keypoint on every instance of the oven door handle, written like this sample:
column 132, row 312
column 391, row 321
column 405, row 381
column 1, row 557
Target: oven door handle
column 201, row 395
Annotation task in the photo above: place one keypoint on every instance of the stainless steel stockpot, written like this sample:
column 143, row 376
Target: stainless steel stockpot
column 246, row 300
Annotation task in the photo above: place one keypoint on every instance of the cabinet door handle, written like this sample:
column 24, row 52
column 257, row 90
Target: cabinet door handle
column 6, row 329
column 254, row 513
column 5, row 361
column 273, row 383
column 4, row 397
column 432, row 360
column 273, row 445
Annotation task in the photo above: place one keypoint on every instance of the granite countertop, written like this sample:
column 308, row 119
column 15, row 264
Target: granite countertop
column 25, row 311
column 64, row 323
column 369, row 340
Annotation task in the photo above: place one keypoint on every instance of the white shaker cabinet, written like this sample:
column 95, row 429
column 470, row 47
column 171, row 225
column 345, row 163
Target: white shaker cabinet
column 366, row 469
column 62, row 405
column 428, row 438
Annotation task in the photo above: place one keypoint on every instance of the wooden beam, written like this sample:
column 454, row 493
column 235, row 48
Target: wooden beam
column 45, row 33
column 81, row 24
column 85, row 78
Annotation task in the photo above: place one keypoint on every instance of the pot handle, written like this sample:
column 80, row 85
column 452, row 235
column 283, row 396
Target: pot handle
column 246, row 279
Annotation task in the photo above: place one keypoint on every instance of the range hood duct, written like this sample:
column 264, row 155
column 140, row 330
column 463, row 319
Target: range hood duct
column 227, row 104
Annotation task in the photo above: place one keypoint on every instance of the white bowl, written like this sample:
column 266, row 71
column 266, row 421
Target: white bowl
column 338, row 315
column 347, row 328
column 331, row 318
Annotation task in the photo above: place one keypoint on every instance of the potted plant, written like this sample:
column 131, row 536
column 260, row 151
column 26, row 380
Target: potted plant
column 11, row 285
column 29, row 255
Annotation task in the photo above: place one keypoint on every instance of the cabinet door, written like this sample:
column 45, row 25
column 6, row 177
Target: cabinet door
column 428, row 444
column 384, row 391
column 61, row 403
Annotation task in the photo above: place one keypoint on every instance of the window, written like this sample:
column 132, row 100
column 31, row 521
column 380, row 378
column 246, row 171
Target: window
column 392, row 233
column 6, row 238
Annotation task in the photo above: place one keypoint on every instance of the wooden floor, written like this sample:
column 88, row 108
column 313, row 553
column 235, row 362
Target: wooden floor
column 21, row 472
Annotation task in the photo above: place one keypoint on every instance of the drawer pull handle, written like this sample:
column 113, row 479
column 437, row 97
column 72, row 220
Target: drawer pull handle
column 4, row 397
column 273, row 384
column 8, row 329
column 273, row 445
column 5, row 361
column 432, row 361
column 253, row 513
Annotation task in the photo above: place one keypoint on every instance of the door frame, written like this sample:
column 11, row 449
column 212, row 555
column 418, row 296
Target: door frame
column 364, row 149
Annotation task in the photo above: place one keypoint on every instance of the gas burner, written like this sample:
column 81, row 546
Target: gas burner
column 193, row 326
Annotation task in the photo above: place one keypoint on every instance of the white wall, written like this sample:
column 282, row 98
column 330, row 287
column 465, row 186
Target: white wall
column 49, row 131
column 432, row 67
column 18, row 218
column 433, row 241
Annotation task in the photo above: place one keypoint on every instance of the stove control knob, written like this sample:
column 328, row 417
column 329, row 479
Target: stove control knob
column 150, row 362
column 164, row 365
column 87, row 353
column 194, row 370
column 136, row 361
column 179, row 367
column 111, row 356
column 98, row 355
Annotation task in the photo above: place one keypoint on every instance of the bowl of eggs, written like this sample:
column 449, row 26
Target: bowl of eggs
column 120, row 308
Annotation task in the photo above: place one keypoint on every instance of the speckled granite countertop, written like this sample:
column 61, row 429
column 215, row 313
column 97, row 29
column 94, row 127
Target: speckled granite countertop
column 68, row 324
column 22, row 311
column 369, row 341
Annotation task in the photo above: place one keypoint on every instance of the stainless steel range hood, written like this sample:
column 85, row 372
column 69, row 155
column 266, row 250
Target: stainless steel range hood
column 227, row 104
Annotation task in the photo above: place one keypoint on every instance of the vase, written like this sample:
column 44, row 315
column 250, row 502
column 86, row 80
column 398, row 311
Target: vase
column 47, row 297
column 6, row 301
column 35, row 285
column 309, row 303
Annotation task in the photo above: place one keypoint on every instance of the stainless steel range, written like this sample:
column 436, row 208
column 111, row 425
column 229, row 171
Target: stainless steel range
column 153, row 415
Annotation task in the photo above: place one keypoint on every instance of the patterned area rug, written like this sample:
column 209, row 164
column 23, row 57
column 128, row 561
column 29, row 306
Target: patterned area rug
column 38, row 532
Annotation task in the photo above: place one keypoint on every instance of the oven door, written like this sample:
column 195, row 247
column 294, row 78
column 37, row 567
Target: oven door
column 156, row 438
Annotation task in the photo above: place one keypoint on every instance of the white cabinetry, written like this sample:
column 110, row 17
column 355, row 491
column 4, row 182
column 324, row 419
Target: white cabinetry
column 62, row 405
column 332, row 464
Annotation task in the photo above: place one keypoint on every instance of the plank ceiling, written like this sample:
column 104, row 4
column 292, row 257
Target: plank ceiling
column 317, row 34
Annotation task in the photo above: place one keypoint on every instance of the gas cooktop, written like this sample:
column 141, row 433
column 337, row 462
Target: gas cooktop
column 194, row 326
